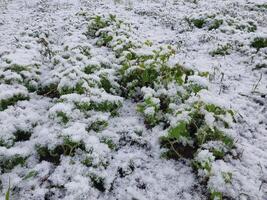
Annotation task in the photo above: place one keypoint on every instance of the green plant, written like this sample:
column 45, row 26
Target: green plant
column 31, row 174
column 215, row 195
column 199, row 23
column 222, row 50
column 88, row 161
column 216, row 24
column 227, row 176
column 7, row 196
column 4, row 103
column 63, row 116
column 8, row 163
column 149, row 108
column 98, row 125
column 109, row 143
column 98, row 182
column 258, row 43
column 21, row 135
column 67, row 148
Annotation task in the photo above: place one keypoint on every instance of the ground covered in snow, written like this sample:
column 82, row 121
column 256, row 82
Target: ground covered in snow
column 137, row 100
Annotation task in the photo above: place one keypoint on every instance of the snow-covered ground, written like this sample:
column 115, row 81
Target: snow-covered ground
column 120, row 157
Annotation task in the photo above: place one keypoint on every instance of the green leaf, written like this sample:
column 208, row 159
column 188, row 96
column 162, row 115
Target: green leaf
column 30, row 174
column 179, row 131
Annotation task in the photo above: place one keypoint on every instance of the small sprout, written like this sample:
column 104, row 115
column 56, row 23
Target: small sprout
column 7, row 196
column 109, row 143
column 215, row 195
column 227, row 176
column 88, row 161
column 30, row 175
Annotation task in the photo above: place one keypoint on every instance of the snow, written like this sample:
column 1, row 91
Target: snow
column 233, row 83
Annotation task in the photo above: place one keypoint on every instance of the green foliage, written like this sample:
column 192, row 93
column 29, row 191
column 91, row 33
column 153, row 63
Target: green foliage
column 249, row 27
column 206, row 134
column 4, row 103
column 90, row 69
column 88, row 161
column 215, row 195
column 67, row 148
column 216, row 24
column 63, row 116
column 222, row 50
column 49, row 90
column 21, row 135
column 105, row 106
column 7, row 196
column 98, row 182
column 105, row 83
column 262, row 6
column 96, row 23
column 204, row 165
column 8, row 163
column 109, row 143
column 7, row 144
column 79, row 89
column 149, row 108
column 258, row 43
column 31, row 174
column 179, row 131
column 199, row 23
column 227, row 176
column 98, row 125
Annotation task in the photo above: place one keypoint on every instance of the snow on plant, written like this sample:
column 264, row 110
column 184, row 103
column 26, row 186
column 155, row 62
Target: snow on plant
column 196, row 127
column 11, row 94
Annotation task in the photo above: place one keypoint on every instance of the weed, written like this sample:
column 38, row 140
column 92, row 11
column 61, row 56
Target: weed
column 216, row 24
column 7, row 196
column 109, row 143
column 31, row 174
column 98, row 182
column 63, row 116
column 199, row 23
column 98, row 125
column 21, row 135
column 4, row 103
column 222, row 50
column 67, row 148
column 258, row 43
column 7, row 164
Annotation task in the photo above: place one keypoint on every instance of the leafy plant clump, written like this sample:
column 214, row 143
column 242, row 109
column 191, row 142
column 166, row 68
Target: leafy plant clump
column 4, row 103
column 222, row 50
column 194, row 127
column 258, row 43
column 67, row 148
column 8, row 163
column 205, row 22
